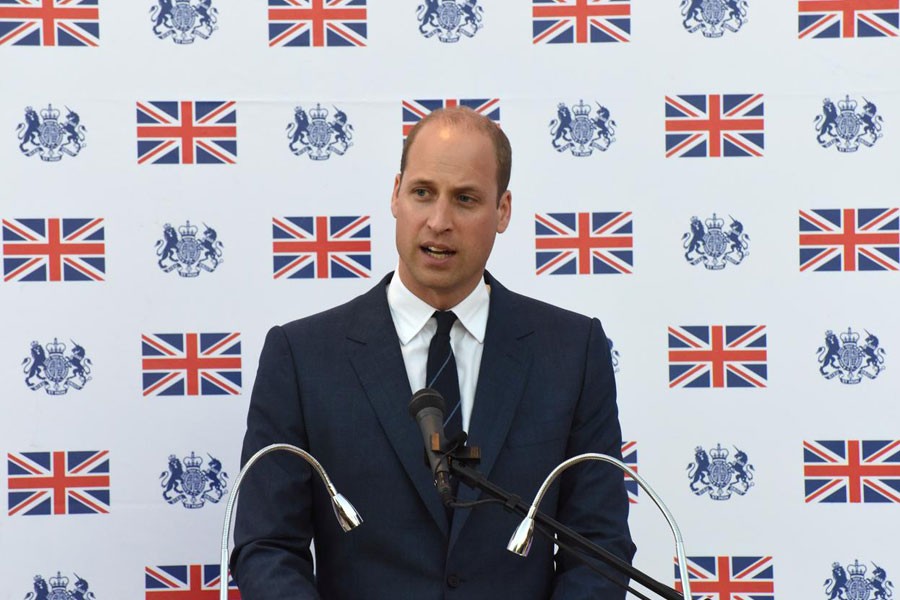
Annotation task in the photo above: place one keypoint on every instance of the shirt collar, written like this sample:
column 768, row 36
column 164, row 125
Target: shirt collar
column 411, row 313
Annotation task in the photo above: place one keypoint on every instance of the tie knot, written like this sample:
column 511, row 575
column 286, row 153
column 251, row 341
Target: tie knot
column 445, row 319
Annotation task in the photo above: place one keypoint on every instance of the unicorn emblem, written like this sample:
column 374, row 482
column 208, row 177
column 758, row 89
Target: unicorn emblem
column 187, row 482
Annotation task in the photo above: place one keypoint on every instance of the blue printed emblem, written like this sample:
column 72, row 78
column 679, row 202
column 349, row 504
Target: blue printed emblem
column 184, row 20
column 855, row 586
column 714, row 473
column 582, row 134
column 50, row 369
column 845, row 128
column 714, row 17
column 44, row 134
column 192, row 485
column 713, row 246
column 448, row 19
column 614, row 355
column 845, row 357
column 318, row 137
column 58, row 588
column 184, row 251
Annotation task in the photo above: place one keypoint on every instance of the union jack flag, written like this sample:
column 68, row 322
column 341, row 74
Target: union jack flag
column 53, row 250
column 729, row 577
column 49, row 23
column 850, row 239
column 848, row 18
column 580, row 21
column 583, row 243
column 321, row 247
column 629, row 457
column 415, row 110
column 714, row 125
column 317, row 23
column 191, row 364
column 717, row 356
column 852, row 471
column 186, row 582
column 58, row 483
column 186, row 133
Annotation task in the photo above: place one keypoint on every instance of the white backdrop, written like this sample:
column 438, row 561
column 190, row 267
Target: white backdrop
column 136, row 531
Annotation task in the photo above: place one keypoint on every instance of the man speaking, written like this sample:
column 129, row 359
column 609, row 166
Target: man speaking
column 530, row 383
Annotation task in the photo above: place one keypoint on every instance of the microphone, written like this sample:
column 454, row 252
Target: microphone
column 427, row 408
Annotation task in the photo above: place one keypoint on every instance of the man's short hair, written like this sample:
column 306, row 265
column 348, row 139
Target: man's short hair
column 461, row 116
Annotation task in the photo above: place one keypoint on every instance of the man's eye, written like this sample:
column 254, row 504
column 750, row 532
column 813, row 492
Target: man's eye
column 466, row 199
column 420, row 192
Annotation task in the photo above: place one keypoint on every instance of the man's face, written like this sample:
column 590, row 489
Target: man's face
column 447, row 212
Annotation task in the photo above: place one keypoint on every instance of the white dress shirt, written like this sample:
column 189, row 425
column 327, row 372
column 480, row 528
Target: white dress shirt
column 415, row 327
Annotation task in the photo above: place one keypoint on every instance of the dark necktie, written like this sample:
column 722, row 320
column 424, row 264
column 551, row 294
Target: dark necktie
column 441, row 374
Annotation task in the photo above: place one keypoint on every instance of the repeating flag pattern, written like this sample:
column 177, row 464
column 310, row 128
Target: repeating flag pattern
column 848, row 18
column 630, row 458
column 58, row 483
column 852, row 471
column 54, row 249
column 584, row 243
column 321, row 247
column 186, row 582
column 729, row 577
column 718, row 356
column 850, row 239
column 187, row 132
column 715, row 125
column 317, row 23
column 49, row 23
column 415, row 110
column 581, row 21
column 191, row 364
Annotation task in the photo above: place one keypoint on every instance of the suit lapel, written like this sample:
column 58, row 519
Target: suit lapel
column 376, row 358
column 501, row 383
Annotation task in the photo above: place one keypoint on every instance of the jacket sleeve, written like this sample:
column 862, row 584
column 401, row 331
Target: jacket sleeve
column 592, row 496
column 273, row 527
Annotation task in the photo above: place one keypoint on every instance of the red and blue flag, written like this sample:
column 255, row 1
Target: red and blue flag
column 186, row 582
column 321, row 247
column 729, row 577
column 852, row 471
column 54, row 250
column 580, row 21
column 850, row 239
column 629, row 457
column 49, row 23
column 715, row 125
column 415, row 110
column 848, row 18
column 186, row 132
column 584, row 243
column 317, row 23
column 58, row 483
column 717, row 356
column 191, row 364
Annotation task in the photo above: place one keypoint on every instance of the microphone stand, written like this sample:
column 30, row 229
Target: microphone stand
column 474, row 479
column 344, row 512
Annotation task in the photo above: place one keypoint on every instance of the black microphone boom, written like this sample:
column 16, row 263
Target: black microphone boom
column 427, row 408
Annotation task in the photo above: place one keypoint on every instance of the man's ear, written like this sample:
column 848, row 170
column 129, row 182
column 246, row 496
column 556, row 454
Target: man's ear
column 504, row 210
column 395, row 195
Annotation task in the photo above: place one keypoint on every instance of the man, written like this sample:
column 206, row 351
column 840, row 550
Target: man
column 535, row 386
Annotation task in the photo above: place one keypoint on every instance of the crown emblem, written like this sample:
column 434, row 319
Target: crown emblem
column 188, row 230
column 60, row 582
column 715, row 222
column 856, row 569
column 718, row 453
column 49, row 113
column 193, row 461
column 318, row 113
column 847, row 104
column 581, row 109
column 850, row 337
column 56, row 347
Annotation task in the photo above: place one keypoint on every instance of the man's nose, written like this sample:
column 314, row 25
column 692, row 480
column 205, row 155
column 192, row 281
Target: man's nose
column 441, row 218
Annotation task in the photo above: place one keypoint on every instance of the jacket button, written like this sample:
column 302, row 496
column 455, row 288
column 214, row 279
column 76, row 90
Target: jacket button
column 453, row 581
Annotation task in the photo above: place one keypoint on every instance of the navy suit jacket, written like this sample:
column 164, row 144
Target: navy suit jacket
column 335, row 384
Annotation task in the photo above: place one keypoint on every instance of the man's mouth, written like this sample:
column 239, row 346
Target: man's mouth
column 438, row 251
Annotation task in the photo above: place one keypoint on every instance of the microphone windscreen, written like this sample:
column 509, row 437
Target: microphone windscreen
column 426, row 398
